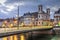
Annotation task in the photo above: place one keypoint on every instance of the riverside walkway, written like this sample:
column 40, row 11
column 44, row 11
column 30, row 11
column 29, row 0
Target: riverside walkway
column 16, row 30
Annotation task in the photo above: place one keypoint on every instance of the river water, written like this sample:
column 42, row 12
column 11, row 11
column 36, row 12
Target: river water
column 45, row 37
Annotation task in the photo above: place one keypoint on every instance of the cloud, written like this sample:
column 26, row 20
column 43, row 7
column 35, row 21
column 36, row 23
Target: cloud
column 53, row 8
column 10, row 7
column 11, row 1
column 5, row 12
column 19, row 3
column 2, row 1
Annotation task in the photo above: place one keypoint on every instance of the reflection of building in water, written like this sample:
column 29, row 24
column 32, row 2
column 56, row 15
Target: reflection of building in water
column 57, row 17
column 37, row 18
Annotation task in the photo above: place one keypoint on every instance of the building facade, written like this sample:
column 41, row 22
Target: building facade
column 39, row 18
column 28, row 19
column 57, row 17
column 43, row 17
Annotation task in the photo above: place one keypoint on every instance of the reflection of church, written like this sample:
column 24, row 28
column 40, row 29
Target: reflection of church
column 37, row 18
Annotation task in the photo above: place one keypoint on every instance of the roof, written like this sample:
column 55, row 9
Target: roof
column 1, row 20
column 31, row 14
column 57, row 12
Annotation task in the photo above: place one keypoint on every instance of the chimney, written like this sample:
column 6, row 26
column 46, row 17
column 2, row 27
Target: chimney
column 48, row 10
column 40, row 8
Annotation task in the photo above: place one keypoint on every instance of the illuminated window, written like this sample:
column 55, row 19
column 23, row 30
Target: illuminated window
column 46, row 17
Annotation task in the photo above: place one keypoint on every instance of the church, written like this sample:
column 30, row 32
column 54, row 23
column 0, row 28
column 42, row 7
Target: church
column 39, row 18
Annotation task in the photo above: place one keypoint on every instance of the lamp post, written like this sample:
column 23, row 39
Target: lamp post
column 18, row 17
column 18, row 14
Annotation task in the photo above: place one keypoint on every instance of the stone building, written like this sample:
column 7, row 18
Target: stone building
column 43, row 17
column 57, row 16
column 39, row 18
column 28, row 19
column 1, row 21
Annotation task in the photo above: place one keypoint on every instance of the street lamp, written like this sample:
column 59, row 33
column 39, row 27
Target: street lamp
column 18, row 17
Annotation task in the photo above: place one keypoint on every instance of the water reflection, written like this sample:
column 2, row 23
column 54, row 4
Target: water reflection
column 40, row 37
column 56, row 37
column 45, row 37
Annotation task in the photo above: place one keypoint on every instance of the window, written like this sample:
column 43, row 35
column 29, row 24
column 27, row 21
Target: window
column 56, row 19
column 39, row 16
column 42, row 22
column 39, row 22
column 59, row 18
column 36, row 22
column 39, row 8
column 46, row 17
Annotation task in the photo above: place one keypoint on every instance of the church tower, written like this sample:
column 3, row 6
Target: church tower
column 40, row 8
column 48, row 11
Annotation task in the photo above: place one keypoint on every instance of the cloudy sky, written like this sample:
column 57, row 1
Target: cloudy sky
column 9, row 8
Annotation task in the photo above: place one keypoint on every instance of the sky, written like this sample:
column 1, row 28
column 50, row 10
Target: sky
column 9, row 8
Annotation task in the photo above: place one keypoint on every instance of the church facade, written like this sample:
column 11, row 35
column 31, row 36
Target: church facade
column 39, row 18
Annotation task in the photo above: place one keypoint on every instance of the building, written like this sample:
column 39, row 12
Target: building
column 1, row 21
column 51, row 22
column 43, row 17
column 39, row 18
column 9, row 22
column 57, row 17
column 28, row 19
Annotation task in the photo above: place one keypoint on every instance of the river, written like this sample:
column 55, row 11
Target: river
column 45, row 37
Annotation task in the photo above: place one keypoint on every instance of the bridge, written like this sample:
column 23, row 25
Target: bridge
column 5, row 32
